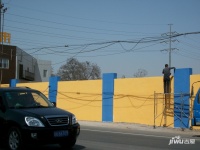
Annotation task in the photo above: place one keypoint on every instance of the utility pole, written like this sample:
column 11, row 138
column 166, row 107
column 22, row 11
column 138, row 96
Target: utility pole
column 169, row 36
column 1, row 39
column 1, row 6
column 1, row 35
column 4, row 10
column 170, row 42
column 1, row 24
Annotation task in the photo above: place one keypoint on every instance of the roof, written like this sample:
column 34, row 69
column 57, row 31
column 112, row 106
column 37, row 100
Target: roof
column 16, row 89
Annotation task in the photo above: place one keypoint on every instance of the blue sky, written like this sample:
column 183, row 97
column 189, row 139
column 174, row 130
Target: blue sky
column 43, row 28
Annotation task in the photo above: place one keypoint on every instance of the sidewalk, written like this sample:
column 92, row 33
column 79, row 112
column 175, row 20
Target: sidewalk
column 133, row 126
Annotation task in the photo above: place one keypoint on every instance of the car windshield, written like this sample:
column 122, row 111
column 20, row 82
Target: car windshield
column 27, row 99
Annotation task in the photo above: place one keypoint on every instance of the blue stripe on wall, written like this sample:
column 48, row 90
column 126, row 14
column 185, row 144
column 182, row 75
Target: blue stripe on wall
column 53, row 87
column 181, row 97
column 13, row 82
column 107, row 101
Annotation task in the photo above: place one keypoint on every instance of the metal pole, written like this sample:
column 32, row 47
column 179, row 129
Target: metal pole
column 4, row 10
column 0, row 20
column 182, row 109
column 170, row 49
column 1, row 39
column 154, row 110
column 164, row 102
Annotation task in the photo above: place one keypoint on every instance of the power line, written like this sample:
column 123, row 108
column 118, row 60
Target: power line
column 78, row 31
column 136, row 42
column 43, row 33
column 170, row 34
column 86, row 19
column 71, row 25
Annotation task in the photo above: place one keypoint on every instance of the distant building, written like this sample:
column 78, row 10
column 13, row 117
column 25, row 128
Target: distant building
column 43, row 70
column 17, row 64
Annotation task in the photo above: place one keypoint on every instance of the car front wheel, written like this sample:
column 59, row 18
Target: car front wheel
column 14, row 140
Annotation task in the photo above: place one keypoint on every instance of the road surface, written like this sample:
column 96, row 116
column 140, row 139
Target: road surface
column 113, row 137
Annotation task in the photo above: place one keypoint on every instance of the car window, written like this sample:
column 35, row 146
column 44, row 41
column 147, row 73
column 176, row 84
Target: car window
column 21, row 99
column 11, row 98
column 39, row 99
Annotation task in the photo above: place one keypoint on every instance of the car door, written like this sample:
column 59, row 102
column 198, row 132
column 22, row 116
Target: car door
column 1, row 114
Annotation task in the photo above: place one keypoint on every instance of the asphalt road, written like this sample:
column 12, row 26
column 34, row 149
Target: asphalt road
column 112, row 138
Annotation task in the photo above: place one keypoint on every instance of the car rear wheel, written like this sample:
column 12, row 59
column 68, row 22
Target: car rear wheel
column 14, row 140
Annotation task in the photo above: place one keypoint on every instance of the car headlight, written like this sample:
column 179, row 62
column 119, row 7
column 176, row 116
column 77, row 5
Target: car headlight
column 33, row 122
column 74, row 121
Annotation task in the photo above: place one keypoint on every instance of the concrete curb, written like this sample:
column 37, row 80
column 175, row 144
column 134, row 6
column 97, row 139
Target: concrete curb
column 133, row 126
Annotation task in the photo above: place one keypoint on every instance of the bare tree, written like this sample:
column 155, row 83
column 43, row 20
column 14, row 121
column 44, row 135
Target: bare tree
column 140, row 73
column 75, row 70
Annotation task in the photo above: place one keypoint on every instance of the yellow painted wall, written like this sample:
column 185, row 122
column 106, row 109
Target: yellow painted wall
column 4, row 85
column 41, row 86
column 134, row 101
column 193, row 79
column 83, row 98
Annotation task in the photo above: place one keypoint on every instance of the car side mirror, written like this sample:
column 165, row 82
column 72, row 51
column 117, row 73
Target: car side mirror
column 53, row 103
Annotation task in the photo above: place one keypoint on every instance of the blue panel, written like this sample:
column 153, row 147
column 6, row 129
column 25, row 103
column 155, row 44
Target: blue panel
column 53, row 87
column 196, row 109
column 197, row 121
column 192, row 122
column 13, row 82
column 181, row 97
column 182, row 80
column 107, row 101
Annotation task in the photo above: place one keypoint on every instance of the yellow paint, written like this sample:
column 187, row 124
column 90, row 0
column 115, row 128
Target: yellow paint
column 196, row 86
column 4, row 85
column 41, row 86
column 83, row 98
column 134, row 101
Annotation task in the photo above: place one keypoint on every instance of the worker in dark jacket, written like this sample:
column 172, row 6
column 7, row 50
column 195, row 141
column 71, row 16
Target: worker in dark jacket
column 166, row 78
